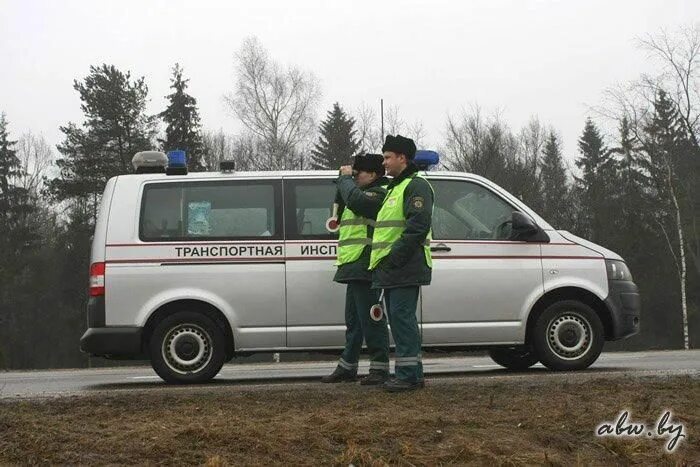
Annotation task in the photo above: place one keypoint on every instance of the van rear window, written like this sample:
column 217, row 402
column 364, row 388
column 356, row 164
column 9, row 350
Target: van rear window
column 210, row 210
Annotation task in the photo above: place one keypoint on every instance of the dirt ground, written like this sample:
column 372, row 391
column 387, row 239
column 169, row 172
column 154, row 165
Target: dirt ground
column 451, row 421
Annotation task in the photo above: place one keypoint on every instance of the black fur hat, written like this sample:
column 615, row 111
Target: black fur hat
column 369, row 163
column 400, row 145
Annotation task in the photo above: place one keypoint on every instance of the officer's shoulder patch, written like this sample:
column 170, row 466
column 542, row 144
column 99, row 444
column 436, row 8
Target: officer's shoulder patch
column 417, row 202
column 371, row 194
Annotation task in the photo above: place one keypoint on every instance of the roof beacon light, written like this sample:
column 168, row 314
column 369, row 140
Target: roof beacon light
column 177, row 163
column 149, row 162
column 425, row 159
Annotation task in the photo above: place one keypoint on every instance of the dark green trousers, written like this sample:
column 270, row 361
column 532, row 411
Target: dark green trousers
column 359, row 298
column 401, row 304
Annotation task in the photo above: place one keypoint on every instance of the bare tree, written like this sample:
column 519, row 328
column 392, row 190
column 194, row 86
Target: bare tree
column 532, row 140
column 477, row 145
column 417, row 132
column 251, row 154
column 488, row 147
column 368, row 130
column 276, row 104
column 465, row 134
column 679, row 56
column 393, row 123
column 35, row 156
column 244, row 150
column 217, row 147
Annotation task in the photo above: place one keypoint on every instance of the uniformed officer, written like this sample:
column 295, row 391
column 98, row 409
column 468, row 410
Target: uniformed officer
column 360, row 199
column 400, row 258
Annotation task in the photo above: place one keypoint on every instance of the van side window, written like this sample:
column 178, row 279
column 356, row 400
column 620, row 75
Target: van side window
column 468, row 211
column 161, row 212
column 309, row 204
column 214, row 210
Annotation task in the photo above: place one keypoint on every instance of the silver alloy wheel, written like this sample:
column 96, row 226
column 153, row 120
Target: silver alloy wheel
column 569, row 336
column 187, row 348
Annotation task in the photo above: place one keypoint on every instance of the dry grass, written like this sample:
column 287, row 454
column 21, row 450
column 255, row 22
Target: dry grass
column 449, row 422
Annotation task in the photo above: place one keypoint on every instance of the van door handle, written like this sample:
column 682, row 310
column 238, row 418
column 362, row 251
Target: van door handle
column 441, row 247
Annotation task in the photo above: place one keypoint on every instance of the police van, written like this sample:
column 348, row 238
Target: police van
column 188, row 270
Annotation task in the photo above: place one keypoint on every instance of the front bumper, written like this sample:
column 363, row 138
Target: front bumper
column 113, row 341
column 625, row 306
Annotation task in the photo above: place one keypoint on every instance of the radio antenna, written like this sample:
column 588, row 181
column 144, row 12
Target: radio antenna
column 381, row 103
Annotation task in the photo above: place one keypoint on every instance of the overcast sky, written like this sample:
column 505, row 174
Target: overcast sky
column 546, row 58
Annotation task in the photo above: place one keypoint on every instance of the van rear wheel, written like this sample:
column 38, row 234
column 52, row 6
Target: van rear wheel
column 568, row 335
column 187, row 347
column 514, row 359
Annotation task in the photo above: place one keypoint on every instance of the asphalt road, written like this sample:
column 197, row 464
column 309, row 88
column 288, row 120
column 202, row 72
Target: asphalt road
column 476, row 369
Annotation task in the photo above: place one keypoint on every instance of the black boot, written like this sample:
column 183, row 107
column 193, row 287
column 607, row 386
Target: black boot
column 340, row 375
column 399, row 385
column 375, row 378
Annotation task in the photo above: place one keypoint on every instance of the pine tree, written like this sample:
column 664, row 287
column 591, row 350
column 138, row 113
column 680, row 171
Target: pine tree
column 17, row 231
column 629, row 156
column 15, row 202
column 555, row 188
column 116, row 127
column 596, row 185
column 337, row 143
column 10, row 170
column 632, row 180
column 664, row 142
column 184, row 129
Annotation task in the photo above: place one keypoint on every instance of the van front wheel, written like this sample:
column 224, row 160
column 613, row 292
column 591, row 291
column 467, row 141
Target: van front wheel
column 187, row 347
column 568, row 335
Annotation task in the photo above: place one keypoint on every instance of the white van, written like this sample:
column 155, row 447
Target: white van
column 190, row 270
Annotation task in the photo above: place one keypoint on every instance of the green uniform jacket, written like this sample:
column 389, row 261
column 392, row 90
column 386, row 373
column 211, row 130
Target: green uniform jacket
column 365, row 202
column 405, row 265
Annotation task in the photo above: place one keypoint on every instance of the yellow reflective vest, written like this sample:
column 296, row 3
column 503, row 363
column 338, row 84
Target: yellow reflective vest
column 353, row 236
column 391, row 223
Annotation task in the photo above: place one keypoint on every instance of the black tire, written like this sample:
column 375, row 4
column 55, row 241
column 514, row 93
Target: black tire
column 187, row 347
column 514, row 359
column 568, row 335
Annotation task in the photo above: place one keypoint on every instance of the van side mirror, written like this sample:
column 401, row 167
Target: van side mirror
column 525, row 229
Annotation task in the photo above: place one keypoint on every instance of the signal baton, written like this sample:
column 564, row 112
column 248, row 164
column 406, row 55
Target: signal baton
column 332, row 224
column 376, row 312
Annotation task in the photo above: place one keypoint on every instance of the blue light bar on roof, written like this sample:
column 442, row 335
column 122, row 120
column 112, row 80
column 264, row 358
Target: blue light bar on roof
column 177, row 158
column 177, row 163
column 425, row 158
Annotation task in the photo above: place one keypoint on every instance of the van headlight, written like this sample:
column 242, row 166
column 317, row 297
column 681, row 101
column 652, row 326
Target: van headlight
column 617, row 270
